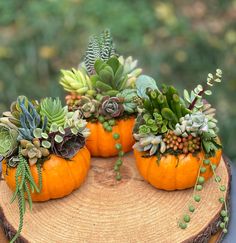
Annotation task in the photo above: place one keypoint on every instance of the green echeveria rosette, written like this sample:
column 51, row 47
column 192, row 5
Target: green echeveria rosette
column 8, row 140
column 111, row 107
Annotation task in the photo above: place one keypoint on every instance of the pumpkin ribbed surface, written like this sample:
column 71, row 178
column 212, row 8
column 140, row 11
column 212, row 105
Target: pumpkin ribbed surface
column 102, row 144
column 59, row 176
column 174, row 172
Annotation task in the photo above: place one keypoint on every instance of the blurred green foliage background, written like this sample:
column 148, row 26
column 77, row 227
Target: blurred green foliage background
column 177, row 42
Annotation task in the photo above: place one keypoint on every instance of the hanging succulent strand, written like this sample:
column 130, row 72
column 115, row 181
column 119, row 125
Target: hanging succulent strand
column 24, row 179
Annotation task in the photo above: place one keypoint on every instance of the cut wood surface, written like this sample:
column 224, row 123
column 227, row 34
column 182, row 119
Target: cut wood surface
column 104, row 210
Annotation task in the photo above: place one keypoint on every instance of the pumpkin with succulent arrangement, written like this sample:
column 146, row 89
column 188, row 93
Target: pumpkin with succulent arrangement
column 177, row 146
column 41, row 143
column 103, row 90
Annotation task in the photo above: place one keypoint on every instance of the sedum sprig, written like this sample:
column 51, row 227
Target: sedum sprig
column 194, row 98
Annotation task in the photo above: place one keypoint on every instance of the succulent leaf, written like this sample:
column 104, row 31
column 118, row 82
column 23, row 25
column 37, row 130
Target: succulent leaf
column 109, row 76
column 53, row 110
column 8, row 140
column 142, row 83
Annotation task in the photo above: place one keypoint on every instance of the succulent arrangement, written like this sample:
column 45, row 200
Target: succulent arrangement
column 169, row 124
column 103, row 87
column 29, row 133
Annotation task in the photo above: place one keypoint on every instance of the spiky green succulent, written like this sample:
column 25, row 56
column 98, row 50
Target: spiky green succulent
column 99, row 47
column 29, row 118
column 8, row 140
column 109, row 78
column 12, row 118
column 53, row 112
column 76, row 81
column 163, row 109
column 129, row 100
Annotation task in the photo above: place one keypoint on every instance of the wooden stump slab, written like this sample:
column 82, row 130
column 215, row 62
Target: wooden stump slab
column 104, row 210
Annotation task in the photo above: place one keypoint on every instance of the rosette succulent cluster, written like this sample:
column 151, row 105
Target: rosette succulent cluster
column 41, row 128
column 88, row 107
column 149, row 143
column 109, row 78
column 183, row 125
column 33, row 151
column 104, row 83
column 129, row 99
column 111, row 107
column 65, row 131
column 8, row 140
column 195, row 124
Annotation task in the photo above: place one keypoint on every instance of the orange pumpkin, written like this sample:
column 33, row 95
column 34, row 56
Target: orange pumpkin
column 174, row 172
column 59, row 176
column 102, row 144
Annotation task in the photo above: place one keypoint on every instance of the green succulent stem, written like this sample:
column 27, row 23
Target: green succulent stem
column 24, row 180
column 192, row 105
column 169, row 115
